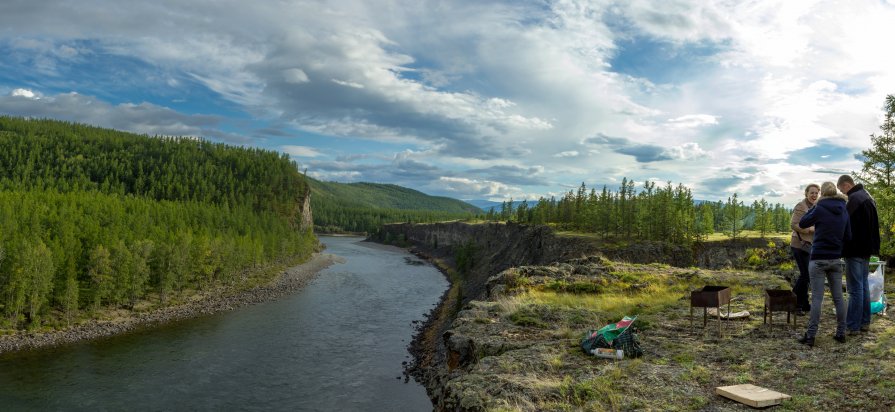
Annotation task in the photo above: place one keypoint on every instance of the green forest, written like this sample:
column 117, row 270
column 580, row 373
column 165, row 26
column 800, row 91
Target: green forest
column 364, row 207
column 666, row 213
column 95, row 218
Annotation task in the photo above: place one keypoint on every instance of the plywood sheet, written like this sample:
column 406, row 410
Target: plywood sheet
column 752, row 395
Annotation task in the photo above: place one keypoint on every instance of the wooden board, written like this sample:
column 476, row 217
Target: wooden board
column 752, row 395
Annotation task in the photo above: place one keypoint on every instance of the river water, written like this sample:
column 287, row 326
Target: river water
column 336, row 345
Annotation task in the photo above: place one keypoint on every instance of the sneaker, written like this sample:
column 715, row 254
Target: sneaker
column 865, row 328
column 839, row 338
column 853, row 332
column 805, row 340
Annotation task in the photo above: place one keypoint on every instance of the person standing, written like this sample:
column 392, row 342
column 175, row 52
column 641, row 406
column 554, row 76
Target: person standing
column 831, row 231
column 800, row 243
column 864, row 243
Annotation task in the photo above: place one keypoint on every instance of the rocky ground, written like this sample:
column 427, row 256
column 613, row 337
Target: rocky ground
column 518, row 349
column 117, row 322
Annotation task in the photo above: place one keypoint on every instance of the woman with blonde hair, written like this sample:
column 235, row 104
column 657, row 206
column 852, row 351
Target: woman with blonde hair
column 831, row 230
column 800, row 243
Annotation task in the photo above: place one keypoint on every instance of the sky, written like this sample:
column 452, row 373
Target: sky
column 477, row 99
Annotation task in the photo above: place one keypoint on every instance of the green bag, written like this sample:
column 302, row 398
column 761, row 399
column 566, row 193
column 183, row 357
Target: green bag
column 617, row 335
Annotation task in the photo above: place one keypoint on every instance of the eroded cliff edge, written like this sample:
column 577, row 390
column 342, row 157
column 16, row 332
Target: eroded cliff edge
column 471, row 254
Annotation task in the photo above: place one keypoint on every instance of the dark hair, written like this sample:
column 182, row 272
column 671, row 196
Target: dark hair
column 845, row 179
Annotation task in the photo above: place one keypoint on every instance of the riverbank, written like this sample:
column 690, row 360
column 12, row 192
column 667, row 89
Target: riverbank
column 289, row 281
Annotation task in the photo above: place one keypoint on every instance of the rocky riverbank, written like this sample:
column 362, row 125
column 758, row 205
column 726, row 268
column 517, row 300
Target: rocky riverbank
column 287, row 282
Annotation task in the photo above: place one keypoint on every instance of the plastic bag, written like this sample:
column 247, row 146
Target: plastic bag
column 875, row 282
column 878, row 305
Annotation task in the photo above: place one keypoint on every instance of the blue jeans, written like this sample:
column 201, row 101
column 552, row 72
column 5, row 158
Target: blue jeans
column 831, row 271
column 856, row 272
column 800, row 288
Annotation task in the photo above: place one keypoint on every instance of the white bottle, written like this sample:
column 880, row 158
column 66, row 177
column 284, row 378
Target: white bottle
column 608, row 353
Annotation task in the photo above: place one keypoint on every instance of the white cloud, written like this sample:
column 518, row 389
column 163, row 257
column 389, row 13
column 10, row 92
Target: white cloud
column 474, row 189
column 295, row 76
column 348, row 84
column 687, row 151
column 300, row 151
column 28, row 94
column 568, row 153
column 692, row 121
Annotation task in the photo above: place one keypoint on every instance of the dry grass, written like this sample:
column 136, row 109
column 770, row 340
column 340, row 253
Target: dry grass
column 681, row 366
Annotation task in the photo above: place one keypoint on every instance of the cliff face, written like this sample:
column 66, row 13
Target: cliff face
column 497, row 246
column 483, row 249
column 307, row 218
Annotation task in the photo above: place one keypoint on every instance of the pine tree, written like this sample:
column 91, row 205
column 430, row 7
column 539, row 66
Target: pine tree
column 878, row 173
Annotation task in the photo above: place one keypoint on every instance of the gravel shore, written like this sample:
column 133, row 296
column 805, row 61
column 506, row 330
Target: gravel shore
column 290, row 281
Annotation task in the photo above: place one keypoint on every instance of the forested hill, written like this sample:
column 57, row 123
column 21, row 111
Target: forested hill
column 364, row 207
column 388, row 196
column 47, row 154
column 93, row 219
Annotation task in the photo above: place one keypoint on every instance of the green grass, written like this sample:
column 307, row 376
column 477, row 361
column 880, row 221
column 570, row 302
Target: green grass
column 748, row 234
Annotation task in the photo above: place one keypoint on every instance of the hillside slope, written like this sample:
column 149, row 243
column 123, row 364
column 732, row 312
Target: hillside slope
column 97, row 219
column 387, row 196
column 365, row 207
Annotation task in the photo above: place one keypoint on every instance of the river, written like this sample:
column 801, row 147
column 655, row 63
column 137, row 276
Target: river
column 339, row 344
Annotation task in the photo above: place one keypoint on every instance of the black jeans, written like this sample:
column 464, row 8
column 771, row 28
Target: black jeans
column 802, row 282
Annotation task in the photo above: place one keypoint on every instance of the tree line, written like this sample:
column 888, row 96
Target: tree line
column 654, row 212
column 94, row 218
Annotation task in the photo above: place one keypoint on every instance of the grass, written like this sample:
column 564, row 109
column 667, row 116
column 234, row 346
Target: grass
column 748, row 234
column 536, row 329
column 714, row 237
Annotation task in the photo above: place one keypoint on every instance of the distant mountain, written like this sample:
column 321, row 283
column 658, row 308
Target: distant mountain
column 386, row 196
column 486, row 205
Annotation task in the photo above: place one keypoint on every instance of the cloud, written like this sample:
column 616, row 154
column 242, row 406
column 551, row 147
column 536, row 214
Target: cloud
column 300, row 151
column 568, row 153
column 28, row 94
column 144, row 118
column 465, row 188
column 724, row 184
column 646, row 153
column 511, row 174
column 692, row 121
column 295, row 76
column 479, row 90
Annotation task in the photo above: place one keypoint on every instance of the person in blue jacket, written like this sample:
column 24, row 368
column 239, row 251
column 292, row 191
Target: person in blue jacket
column 832, row 229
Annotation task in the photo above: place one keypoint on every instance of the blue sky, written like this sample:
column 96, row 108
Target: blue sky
column 477, row 100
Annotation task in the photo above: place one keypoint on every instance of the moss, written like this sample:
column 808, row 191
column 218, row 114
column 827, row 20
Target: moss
column 527, row 316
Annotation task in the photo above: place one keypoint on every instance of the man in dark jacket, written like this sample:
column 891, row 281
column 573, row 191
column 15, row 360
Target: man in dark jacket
column 864, row 243
column 831, row 231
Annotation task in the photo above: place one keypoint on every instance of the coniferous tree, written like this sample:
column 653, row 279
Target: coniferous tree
column 878, row 173
column 733, row 217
